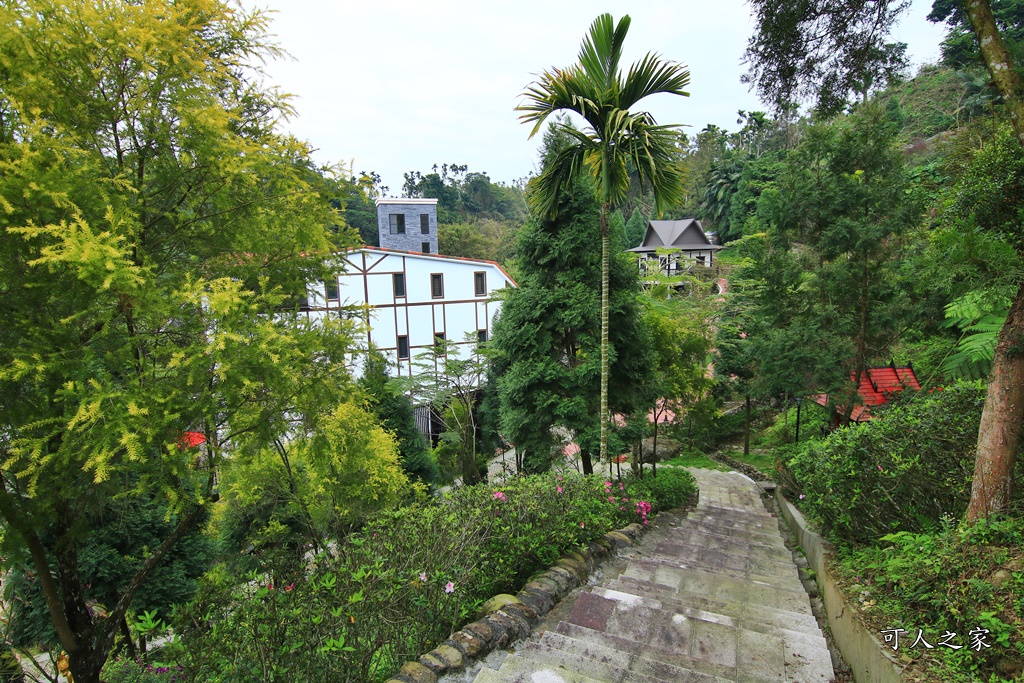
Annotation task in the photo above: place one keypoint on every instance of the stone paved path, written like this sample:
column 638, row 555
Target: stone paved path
column 713, row 598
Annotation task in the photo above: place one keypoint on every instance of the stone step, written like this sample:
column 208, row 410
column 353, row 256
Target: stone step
column 725, row 539
column 785, row 577
column 660, row 569
column 667, row 655
column 760, row 528
column 722, row 546
column 719, row 519
column 516, row 669
column 761, row 618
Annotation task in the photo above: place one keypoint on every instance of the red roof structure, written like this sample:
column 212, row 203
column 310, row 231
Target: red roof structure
column 875, row 386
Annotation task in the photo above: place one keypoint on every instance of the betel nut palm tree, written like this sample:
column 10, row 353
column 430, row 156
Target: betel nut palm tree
column 597, row 91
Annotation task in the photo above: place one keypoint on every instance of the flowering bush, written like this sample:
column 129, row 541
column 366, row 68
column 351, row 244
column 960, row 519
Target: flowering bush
column 401, row 585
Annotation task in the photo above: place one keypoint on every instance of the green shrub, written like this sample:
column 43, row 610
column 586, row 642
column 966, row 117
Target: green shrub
column 404, row 582
column 672, row 488
column 814, row 420
column 902, row 471
column 943, row 582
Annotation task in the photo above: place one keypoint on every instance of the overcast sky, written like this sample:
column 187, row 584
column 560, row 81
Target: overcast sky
column 396, row 86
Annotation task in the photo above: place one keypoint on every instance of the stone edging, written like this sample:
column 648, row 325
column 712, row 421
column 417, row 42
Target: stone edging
column 510, row 618
column 868, row 659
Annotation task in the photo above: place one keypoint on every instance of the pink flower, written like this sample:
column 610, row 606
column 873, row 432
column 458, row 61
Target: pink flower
column 802, row 496
column 608, row 484
column 622, row 487
column 423, row 576
column 290, row 586
column 743, row 335
column 611, row 499
column 498, row 495
column 581, row 525
column 880, row 469
column 449, row 587
column 559, row 479
column 559, row 489
column 625, row 500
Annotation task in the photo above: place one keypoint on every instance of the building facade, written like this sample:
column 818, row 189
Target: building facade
column 412, row 300
column 407, row 224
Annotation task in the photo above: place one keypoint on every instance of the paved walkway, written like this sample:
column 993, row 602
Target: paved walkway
column 710, row 598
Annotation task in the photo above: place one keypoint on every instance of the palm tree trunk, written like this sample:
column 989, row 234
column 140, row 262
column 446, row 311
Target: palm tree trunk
column 605, row 256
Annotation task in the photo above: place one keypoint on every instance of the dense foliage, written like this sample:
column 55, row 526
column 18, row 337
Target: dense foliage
column 904, row 471
column 967, row 581
column 405, row 581
column 546, row 345
column 156, row 227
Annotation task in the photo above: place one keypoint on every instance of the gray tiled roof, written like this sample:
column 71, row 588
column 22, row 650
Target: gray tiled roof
column 687, row 234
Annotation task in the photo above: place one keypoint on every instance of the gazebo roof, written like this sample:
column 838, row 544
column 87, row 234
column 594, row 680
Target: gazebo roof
column 686, row 234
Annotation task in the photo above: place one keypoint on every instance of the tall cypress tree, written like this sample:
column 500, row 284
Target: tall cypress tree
column 546, row 343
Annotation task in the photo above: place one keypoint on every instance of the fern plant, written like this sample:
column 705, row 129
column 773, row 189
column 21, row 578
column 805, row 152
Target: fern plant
column 980, row 315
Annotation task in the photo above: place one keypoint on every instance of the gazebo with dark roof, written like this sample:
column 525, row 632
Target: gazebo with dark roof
column 686, row 235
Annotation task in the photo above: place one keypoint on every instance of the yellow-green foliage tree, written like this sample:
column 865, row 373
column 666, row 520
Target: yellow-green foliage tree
column 151, row 225
column 354, row 467
column 313, row 488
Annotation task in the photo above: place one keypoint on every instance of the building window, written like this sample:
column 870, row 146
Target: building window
column 439, row 342
column 331, row 286
column 397, row 222
column 403, row 347
column 481, row 336
column 425, row 247
column 437, row 285
column 700, row 260
column 398, row 282
column 425, row 223
column 480, row 283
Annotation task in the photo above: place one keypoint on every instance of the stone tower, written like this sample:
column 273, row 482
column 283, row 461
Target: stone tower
column 407, row 224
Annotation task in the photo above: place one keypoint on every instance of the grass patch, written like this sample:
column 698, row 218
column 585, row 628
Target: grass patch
column 763, row 461
column 696, row 459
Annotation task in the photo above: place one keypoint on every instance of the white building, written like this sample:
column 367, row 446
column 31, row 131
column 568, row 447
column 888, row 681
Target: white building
column 413, row 298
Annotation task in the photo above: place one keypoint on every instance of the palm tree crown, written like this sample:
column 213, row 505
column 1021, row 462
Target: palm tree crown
column 597, row 90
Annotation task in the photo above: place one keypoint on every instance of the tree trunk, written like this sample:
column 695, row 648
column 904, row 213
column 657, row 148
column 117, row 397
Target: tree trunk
column 1000, row 430
column 588, row 464
column 998, row 61
column 654, row 453
column 128, row 641
column 861, row 345
column 746, row 431
column 605, row 256
column 1001, row 420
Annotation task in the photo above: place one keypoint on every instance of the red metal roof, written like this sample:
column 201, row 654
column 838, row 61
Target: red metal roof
column 875, row 386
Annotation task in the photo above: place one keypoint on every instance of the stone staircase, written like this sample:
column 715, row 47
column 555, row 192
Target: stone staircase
column 712, row 598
